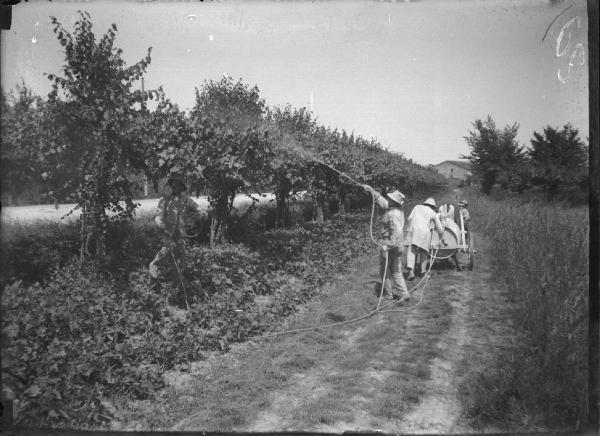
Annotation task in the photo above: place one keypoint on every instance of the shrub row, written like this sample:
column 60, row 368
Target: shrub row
column 82, row 337
column 31, row 251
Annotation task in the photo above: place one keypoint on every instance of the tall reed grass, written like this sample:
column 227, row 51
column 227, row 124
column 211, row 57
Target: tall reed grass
column 539, row 257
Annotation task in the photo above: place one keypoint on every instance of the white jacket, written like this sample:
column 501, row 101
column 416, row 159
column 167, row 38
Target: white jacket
column 421, row 220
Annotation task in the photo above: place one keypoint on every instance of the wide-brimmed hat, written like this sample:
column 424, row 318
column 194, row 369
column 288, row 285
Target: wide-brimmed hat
column 430, row 202
column 396, row 196
column 175, row 178
column 463, row 203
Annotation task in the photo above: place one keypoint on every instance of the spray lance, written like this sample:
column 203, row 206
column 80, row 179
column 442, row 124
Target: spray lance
column 380, row 307
column 339, row 172
column 370, row 229
column 359, row 184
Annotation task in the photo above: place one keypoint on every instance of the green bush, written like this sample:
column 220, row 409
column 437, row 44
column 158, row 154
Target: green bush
column 74, row 341
column 30, row 251
column 82, row 337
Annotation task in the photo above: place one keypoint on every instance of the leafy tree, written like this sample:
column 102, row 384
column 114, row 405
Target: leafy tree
column 345, row 154
column 97, row 118
column 231, row 137
column 494, row 152
column 21, row 117
column 558, row 158
column 290, row 136
column 172, row 149
column 321, row 181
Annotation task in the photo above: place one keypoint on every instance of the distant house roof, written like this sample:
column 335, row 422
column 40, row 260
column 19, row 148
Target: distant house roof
column 459, row 163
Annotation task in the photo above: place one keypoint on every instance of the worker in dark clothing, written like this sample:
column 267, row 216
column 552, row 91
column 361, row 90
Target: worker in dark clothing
column 174, row 210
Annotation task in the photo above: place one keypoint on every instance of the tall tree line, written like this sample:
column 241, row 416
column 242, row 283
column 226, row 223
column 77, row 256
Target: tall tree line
column 94, row 136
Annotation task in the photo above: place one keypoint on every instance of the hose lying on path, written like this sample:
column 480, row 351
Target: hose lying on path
column 379, row 308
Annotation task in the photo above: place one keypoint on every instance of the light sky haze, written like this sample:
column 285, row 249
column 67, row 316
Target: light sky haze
column 415, row 75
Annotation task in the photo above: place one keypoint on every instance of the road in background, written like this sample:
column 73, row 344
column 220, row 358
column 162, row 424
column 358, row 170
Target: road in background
column 47, row 212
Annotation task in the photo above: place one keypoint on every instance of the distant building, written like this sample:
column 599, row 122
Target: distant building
column 454, row 169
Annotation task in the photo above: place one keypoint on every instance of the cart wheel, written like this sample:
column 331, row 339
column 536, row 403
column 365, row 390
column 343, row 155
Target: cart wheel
column 471, row 258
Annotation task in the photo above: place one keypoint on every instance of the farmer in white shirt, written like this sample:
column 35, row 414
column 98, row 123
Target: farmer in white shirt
column 418, row 235
column 392, row 232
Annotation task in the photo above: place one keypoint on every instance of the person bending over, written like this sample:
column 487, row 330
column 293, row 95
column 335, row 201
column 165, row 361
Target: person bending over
column 420, row 221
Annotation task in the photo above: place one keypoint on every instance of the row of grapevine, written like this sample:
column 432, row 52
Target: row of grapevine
column 96, row 132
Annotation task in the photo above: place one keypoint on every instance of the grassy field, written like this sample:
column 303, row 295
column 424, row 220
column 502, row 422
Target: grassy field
column 537, row 377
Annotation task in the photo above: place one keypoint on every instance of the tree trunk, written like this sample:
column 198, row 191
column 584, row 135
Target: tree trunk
column 347, row 204
column 100, row 227
column 221, row 209
column 216, row 230
column 552, row 191
column 283, row 218
column 320, row 208
column 341, row 205
column 82, row 236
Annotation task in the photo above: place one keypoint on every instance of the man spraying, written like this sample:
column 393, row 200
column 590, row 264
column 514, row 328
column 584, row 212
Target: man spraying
column 392, row 231
column 420, row 221
column 173, row 212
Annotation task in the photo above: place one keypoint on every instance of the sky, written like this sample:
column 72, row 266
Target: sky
column 415, row 74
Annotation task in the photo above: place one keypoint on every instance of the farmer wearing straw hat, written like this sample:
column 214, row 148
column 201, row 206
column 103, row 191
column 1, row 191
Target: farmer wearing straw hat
column 392, row 231
column 418, row 237
column 173, row 211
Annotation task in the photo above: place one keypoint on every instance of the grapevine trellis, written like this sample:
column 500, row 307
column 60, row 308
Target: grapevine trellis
column 94, row 135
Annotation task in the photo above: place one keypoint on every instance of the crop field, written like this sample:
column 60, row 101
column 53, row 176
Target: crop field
column 155, row 365
column 541, row 261
column 249, row 297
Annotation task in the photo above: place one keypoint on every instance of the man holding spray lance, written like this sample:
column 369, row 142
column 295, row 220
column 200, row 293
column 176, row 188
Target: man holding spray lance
column 392, row 231
column 393, row 238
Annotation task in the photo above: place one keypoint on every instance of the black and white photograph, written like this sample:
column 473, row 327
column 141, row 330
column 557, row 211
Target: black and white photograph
column 314, row 216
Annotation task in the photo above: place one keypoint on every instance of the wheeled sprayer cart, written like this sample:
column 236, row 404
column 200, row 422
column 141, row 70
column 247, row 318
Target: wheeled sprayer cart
column 457, row 240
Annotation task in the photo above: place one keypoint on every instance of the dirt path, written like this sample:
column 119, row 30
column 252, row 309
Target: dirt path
column 359, row 408
column 395, row 372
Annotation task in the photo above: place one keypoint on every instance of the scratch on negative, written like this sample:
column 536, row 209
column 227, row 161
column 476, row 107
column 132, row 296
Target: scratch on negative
column 556, row 18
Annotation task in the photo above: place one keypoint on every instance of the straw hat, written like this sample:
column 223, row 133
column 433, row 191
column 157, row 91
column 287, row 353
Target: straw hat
column 463, row 203
column 430, row 202
column 396, row 196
